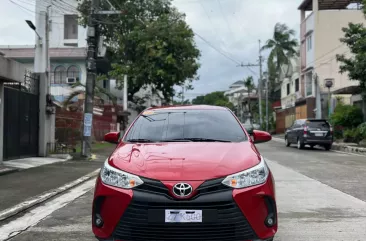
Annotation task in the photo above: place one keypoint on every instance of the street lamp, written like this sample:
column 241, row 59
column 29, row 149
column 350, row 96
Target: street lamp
column 329, row 84
column 31, row 25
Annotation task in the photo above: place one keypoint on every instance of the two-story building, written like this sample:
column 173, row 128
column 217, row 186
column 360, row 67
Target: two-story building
column 320, row 32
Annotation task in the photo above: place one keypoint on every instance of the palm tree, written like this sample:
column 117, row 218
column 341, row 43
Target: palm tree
column 98, row 92
column 249, row 84
column 283, row 46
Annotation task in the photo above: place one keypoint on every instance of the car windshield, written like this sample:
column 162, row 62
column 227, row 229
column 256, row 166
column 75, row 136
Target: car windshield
column 186, row 125
column 318, row 124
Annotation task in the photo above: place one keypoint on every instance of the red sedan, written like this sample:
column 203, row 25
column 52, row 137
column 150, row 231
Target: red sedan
column 185, row 173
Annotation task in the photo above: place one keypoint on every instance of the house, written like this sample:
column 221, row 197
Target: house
column 238, row 95
column 320, row 33
column 291, row 96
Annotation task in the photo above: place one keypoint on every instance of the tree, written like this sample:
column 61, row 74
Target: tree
column 199, row 100
column 151, row 43
column 355, row 66
column 283, row 47
column 215, row 98
column 79, row 89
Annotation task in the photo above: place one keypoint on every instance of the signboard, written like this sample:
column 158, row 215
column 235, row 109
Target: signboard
column 88, row 121
column 87, row 130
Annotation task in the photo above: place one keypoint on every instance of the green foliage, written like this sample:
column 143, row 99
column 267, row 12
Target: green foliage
column 283, row 47
column 346, row 116
column 215, row 98
column 353, row 135
column 199, row 100
column 362, row 129
column 151, row 43
column 355, row 66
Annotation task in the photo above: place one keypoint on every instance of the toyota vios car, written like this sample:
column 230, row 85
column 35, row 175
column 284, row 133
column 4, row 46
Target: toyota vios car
column 185, row 173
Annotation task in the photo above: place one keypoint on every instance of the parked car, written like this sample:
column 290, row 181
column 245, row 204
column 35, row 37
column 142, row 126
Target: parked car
column 185, row 173
column 310, row 132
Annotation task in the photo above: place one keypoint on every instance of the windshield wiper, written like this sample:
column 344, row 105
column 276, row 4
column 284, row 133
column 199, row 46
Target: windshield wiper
column 140, row 140
column 196, row 140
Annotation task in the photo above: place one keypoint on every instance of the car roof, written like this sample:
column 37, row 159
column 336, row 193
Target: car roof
column 188, row 107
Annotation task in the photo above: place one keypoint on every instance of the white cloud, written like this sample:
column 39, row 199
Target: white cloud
column 234, row 28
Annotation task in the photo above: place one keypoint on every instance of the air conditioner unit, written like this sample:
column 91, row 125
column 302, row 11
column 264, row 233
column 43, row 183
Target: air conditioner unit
column 70, row 80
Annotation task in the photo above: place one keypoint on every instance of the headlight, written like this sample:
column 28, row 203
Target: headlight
column 117, row 178
column 250, row 177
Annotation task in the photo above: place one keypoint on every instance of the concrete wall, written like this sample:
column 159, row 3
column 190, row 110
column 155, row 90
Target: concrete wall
column 57, row 34
column 310, row 52
column 328, row 30
column 11, row 70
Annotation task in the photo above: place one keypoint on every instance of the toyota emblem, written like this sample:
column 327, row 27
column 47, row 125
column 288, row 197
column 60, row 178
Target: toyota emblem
column 182, row 189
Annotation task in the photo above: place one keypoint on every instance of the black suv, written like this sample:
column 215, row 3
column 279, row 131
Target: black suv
column 310, row 132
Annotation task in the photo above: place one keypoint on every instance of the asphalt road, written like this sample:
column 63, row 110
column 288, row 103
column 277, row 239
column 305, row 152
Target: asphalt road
column 321, row 196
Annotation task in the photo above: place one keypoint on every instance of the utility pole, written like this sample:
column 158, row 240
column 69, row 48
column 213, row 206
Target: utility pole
column 260, row 84
column 90, row 81
column 42, row 69
column 267, row 119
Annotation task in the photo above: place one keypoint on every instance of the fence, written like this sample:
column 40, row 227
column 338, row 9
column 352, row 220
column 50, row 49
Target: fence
column 68, row 131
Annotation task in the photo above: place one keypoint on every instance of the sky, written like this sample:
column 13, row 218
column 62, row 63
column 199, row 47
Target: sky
column 231, row 30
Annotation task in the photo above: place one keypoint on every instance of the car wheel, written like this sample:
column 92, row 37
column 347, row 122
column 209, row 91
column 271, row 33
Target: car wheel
column 328, row 147
column 300, row 145
column 287, row 142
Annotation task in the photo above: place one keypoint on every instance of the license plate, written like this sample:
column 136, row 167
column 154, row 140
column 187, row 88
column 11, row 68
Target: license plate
column 318, row 134
column 183, row 216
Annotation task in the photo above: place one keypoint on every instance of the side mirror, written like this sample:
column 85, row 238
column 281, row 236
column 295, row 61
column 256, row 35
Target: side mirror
column 261, row 136
column 111, row 137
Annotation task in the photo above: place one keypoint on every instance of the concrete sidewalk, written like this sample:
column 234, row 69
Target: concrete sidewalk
column 31, row 185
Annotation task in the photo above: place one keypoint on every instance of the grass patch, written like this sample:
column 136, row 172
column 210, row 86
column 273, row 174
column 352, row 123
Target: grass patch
column 96, row 146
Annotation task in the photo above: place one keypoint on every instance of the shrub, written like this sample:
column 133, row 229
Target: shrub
column 362, row 130
column 347, row 116
column 353, row 135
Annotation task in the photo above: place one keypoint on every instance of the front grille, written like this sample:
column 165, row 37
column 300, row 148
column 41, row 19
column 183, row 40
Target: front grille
column 228, row 224
column 157, row 187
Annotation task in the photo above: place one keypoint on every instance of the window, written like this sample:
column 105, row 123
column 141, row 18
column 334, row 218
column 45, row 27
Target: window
column 59, row 76
column 309, row 43
column 297, row 85
column 288, row 89
column 70, row 27
column 178, row 124
column 309, row 83
column 73, row 71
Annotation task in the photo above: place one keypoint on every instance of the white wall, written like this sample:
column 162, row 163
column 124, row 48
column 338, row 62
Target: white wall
column 57, row 29
column 310, row 29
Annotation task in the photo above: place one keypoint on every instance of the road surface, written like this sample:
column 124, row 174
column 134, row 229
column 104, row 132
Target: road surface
column 321, row 196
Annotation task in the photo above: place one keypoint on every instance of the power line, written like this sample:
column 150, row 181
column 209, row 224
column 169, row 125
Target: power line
column 223, row 15
column 213, row 47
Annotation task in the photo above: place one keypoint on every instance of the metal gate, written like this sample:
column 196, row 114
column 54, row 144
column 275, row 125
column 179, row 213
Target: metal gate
column 21, row 110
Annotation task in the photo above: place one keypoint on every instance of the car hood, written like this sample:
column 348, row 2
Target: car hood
column 193, row 161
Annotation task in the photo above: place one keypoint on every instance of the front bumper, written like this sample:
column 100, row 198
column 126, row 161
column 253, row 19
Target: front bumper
column 228, row 215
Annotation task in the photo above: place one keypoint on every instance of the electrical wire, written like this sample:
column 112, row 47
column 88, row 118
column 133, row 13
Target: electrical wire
column 213, row 47
column 223, row 15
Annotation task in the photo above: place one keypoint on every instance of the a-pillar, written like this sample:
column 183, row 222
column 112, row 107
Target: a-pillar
column 1, row 121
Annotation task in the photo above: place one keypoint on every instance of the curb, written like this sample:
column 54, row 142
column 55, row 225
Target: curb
column 7, row 213
column 8, row 171
column 338, row 148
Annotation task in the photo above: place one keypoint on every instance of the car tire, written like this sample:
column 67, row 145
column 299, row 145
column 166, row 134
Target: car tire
column 287, row 142
column 300, row 145
column 328, row 147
